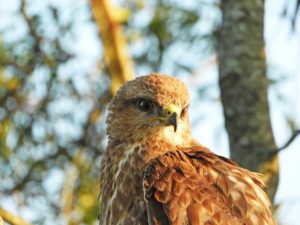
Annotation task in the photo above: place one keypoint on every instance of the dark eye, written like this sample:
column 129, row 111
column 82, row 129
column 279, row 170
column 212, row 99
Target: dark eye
column 145, row 105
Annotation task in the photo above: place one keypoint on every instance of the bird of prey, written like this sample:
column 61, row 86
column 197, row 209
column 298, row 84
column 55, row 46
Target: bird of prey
column 155, row 173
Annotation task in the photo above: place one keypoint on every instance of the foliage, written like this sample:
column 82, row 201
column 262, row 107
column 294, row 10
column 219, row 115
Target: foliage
column 161, row 32
column 53, row 97
column 54, row 90
column 51, row 104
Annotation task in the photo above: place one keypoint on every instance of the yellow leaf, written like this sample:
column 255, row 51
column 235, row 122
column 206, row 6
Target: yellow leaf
column 4, row 128
column 87, row 200
column 120, row 15
column 95, row 116
column 13, row 83
column 9, row 83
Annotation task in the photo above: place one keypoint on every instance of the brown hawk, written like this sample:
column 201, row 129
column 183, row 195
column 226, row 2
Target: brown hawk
column 154, row 172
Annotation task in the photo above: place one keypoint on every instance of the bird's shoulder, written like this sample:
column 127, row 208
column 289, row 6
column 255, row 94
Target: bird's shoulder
column 195, row 185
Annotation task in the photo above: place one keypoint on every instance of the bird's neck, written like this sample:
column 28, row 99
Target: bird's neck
column 127, row 161
column 156, row 144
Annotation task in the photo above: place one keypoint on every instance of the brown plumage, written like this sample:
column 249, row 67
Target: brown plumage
column 155, row 173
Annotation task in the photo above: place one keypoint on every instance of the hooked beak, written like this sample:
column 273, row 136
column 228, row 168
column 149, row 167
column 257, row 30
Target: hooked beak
column 172, row 116
column 172, row 120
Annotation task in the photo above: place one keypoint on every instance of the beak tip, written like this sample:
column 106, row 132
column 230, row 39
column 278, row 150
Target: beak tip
column 173, row 121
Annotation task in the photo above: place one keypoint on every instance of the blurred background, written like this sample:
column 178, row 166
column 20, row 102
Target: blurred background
column 62, row 61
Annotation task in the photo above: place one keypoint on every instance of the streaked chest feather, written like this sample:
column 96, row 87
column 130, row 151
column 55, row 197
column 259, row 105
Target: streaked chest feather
column 122, row 196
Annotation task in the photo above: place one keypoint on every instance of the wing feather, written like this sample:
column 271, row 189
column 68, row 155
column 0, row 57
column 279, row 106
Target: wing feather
column 190, row 186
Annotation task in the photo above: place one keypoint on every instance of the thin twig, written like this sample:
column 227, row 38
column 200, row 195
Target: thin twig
column 32, row 30
column 22, row 181
column 290, row 140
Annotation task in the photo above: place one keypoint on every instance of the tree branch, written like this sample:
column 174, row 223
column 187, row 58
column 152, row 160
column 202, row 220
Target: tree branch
column 289, row 141
column 294, row 17
column 11, row 219
column 68, row 195
column 116, row 55
column 31, row 27
column 22, row 181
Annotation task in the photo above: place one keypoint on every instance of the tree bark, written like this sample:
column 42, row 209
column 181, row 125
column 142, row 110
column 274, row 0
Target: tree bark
column 244, row 86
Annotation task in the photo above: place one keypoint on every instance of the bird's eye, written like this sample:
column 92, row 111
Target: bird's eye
column 145, row 105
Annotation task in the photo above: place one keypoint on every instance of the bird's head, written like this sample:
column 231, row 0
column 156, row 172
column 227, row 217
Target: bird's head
column 153, row 106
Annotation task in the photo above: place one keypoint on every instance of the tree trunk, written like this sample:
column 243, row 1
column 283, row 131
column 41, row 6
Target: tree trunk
column 244, row 86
